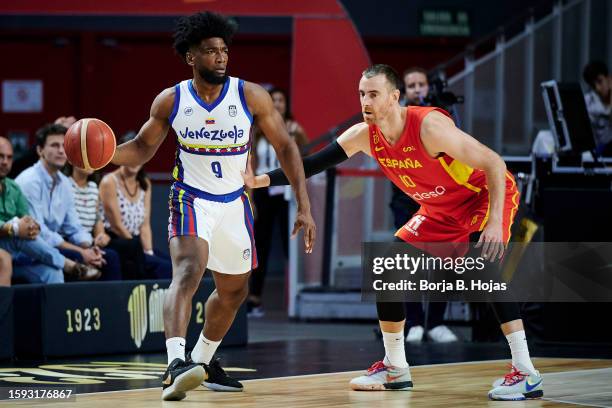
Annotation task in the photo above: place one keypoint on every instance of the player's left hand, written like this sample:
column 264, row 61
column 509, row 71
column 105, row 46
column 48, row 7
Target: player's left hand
column 304, row 220
column 492, row 241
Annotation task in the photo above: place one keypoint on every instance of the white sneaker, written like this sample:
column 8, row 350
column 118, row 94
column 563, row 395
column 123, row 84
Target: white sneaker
column 517, row 386
column 257, row 312
column 381, row 377
column 415, row 334
column 442, row 334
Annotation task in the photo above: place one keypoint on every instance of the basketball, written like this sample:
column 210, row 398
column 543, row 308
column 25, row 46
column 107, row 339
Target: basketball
column 90, row 144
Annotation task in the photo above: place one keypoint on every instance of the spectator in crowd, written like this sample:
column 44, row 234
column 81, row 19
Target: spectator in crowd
column 35, row 260
column 6, row 268
column 271, row 204
column 65, row 121
column 88, row 208
column 30, row 157
column 126, row 198
column 599, row 104
column 87, row 201
column 50, row 202
column 416, row 87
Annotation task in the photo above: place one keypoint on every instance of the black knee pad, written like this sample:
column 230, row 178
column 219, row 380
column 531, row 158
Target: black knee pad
column 391, row 311
column 506, row 311
column 394, row 311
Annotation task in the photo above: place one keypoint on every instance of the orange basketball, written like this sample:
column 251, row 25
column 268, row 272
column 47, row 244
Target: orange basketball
column 89, row 144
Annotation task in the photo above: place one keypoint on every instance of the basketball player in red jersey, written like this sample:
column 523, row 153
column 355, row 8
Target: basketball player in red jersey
column 464, row 190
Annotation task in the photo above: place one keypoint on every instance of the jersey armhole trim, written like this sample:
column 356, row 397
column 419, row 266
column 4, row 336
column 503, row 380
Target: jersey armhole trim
column 177, row 100
column 243, row 100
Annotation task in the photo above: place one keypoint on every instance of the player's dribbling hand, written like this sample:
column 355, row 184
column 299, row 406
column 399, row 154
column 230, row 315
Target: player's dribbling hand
column 491, row 240
column 304, row 220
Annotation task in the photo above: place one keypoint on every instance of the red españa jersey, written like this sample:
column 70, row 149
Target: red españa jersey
column 444, row 187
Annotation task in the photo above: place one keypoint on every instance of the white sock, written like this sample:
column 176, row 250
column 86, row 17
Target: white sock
column 520, row 351
column 176, row 348
column 204, row 350
column 395, row 353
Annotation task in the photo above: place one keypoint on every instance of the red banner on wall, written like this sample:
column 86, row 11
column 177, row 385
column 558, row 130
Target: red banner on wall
column 328, row 59
column 172, row 7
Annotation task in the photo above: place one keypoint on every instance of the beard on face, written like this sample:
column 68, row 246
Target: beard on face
column 212, row 77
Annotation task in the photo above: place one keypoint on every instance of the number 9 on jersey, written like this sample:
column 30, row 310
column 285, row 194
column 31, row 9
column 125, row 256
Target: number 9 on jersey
column 216, row 168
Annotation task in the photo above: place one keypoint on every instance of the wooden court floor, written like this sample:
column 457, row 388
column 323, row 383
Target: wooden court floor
column 568, row 382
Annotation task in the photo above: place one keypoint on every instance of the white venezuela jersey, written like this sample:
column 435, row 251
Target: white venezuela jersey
column 213, row 140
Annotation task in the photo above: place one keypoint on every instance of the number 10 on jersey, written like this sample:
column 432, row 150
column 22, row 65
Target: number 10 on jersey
column 216, row 168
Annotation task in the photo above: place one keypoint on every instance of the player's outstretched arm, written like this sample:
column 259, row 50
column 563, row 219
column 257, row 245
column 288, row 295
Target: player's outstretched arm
column 273, row 127
column 440, row 135
column 143, row 147
column 353, row 140
column 271, row 123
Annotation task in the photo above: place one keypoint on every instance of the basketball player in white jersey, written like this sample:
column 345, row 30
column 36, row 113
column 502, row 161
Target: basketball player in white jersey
column 211, row 223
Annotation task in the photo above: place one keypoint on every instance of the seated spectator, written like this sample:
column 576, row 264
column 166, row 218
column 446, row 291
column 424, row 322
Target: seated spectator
column 30, row 157
column 599, row 104
column 87, row 205
column 6, row 268
column 50, row 202
column 126, row 199
column 35, row 260
column 87, row 201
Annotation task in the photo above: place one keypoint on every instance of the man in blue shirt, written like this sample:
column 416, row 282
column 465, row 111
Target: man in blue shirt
column 35, row 260
column 51, row 204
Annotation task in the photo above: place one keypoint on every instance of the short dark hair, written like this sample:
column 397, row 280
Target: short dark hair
column 191, row 30
column 49, row 129
column 386, row 70
column 69, row 169
column 412, row 70
column 593, row 70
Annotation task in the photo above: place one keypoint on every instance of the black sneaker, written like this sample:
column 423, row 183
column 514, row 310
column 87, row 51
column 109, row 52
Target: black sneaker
column 217, row 379
column 181, row 376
